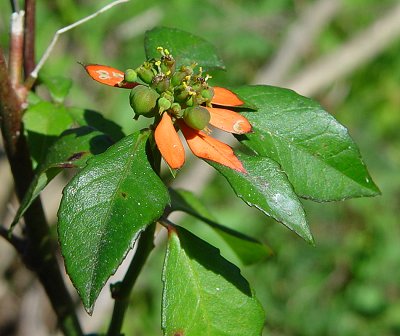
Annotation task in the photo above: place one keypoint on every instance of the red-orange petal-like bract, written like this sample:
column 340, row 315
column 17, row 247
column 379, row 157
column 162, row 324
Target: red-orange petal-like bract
column 225, row 97
column 209, row 148
column 229, row 121
column 105, row 74
column 168, row 142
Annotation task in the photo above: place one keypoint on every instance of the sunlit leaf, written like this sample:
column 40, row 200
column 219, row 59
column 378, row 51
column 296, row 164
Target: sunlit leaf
column 267, row 188
column 186, row 48
column 204, row 294
column 316, row 152
column 103, row 210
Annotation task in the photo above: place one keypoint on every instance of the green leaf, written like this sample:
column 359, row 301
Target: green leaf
column 47, row 118
column 84, row 117
column 186, row 48
column 58, row 86
column 204, row 294
column 267, row 188
column 316, row 152
column 71, row 150
column 103, row 210
column 248, row 249
column 44, row 122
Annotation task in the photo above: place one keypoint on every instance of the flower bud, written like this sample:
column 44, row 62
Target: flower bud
column 180, row 75
column 208, row 93
column 196, row 117
column 176, row 109
column 163, row 104
column 181, row 94
column 130, row 76
column 190, row 101
column 168, row 95
column 160, row 83
column 145, row 72
column 168, row 64
column 143, row 100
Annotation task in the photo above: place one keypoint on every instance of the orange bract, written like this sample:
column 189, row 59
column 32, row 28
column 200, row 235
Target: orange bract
column 108, row 75
column 229, row 121
column 209, row 148
column 225, row 97
column 168, row 143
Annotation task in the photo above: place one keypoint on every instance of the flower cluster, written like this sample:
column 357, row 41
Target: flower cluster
column 180, row 99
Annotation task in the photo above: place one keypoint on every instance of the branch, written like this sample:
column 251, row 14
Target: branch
column 38, row 254
column 34, row 74
column 29, row 41
column 15, row 241
column 355, row 53
column 122, row 290
column 16, row 47
column 298, row 41
column 14, row 6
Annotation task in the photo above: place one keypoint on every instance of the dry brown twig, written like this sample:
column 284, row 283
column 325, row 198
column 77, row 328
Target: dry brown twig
column 350, row 56
column 299, row 39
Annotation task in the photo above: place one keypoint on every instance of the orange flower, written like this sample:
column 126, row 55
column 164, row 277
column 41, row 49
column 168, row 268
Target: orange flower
column 200, row 143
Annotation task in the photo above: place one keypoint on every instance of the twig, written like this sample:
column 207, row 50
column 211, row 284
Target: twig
column 356, row 52
column 298, row 40
column 15, row 241
column 121, row 291
column 29, row 37
column 16, row 47
column 34, row 74
column 14, row 6
column 139, row 23
column 39, row 255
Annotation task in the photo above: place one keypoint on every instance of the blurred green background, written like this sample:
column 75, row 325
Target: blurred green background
column 349, row 283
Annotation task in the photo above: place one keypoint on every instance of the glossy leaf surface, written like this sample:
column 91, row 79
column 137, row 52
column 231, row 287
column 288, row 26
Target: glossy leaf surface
column 204, row 294
column 316, row 152
column 103, row 210
column 267, row 188
column 186, row 48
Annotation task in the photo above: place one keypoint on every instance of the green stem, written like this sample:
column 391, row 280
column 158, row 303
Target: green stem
column 122, row 290
column 38, row 253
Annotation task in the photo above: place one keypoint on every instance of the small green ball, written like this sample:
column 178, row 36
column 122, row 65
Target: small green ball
column 130, row 76
column 163, row 104
column 143, row 100
column 145, row 73
column 196, row 117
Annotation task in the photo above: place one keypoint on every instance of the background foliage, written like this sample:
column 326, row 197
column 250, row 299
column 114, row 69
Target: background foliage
column 349, row 283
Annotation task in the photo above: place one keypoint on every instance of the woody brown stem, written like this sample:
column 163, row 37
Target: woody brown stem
column 38, row 251
column 16, row 47
column 29, row 33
